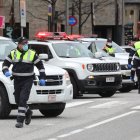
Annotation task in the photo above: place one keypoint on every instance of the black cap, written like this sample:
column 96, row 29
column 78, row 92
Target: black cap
column 22, row 40
column 109, row 40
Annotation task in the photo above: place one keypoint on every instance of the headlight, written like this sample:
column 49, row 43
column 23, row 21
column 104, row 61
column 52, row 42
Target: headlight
column 67, row 78
column 90, row 67
column 118, row 66
column 124, row 67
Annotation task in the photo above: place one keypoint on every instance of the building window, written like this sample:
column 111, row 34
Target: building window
column 125, row 12
column 131, row 12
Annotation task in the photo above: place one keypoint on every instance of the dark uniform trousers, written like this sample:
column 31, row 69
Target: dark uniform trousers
column 22, row 88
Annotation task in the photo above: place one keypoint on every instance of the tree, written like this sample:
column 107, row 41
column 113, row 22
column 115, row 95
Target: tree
column 85, row 9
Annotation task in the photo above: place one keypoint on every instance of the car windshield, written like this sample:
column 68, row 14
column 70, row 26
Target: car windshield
column 5, row 47
column 101, row 44
column 92, row 46
column 72, row 50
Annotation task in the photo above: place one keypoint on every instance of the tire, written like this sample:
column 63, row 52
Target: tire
column 75, row 89
column 53, row 112
column 125, row 89
column 107, row 93
column 5, row 108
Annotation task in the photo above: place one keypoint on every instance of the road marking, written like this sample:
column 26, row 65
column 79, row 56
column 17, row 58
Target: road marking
column 95, row 125
column 72, row 104
column 136, row 107
column 109, row 104
column 71, row 133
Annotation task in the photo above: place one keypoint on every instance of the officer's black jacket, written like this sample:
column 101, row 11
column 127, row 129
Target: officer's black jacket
column 131, row 54
column 136, row 65
column 22, row 67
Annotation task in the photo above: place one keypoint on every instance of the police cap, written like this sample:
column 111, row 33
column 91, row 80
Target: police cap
column 22, row 40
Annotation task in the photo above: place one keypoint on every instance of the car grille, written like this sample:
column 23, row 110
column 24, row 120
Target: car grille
column 49, row 91
column 51, row 80
column 105, row 67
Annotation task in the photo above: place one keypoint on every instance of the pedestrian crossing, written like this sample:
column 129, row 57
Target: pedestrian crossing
column 104, row 104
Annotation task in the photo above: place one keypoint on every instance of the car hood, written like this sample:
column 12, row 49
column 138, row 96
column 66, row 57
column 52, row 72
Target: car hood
column 121, row 61
column 122, row 55
column 49, row 70
column 88, row 60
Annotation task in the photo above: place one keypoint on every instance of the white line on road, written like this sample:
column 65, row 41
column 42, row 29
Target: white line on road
column 109, row 104
column 72, row 104
column 96, row 124
column 136, row 107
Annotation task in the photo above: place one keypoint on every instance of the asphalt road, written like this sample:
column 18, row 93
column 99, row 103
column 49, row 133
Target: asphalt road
column 88, row 118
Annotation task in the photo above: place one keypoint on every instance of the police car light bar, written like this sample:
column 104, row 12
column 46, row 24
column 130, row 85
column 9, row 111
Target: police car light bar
column 51, row 35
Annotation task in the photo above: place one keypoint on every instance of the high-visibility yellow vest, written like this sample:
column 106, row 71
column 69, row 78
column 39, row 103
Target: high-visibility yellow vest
column 110, row 50
column 138, row 51
column 137, row 45
column 27, row 58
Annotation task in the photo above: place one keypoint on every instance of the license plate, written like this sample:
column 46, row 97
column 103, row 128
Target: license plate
column 110, row 79
column 51, row 98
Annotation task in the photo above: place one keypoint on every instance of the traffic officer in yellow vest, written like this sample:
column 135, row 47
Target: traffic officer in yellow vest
column 135, row 46
column 23, row 60
column 136, row 68
column 108, row 48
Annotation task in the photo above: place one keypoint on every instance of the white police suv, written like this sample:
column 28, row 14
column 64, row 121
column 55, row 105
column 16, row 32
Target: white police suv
column 87, row 74
column 49, row 99
column 97, row 45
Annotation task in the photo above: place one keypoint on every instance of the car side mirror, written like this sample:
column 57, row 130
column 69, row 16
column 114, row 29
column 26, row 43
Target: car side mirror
column 43, row 57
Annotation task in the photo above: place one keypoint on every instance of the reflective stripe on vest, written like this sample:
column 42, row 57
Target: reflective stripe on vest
column 137, row 45
column 27, row 58
column 110, row 50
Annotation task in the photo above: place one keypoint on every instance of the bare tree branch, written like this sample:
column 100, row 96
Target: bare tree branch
column 36, row 16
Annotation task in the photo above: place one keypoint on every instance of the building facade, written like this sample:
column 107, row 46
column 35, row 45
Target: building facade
column 105, row 18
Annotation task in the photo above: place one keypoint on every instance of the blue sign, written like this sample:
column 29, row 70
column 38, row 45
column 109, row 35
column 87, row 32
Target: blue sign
column 72, row 21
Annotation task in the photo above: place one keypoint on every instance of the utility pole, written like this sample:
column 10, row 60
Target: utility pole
column 80, row 13
column 72, row 13
column 116, row 21
column 92, row 16
column 66, row 15
column 123, row 21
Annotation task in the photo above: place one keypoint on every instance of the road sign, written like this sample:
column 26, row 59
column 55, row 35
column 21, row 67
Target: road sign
column 72, row 20
column 2, row 21
column 23, row 13
column 49, row 10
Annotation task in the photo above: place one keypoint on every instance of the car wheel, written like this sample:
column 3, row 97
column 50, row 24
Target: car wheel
column 107, row 93
column 75, row 89
column 5, row 108
column 125, row 89
column 53, row 112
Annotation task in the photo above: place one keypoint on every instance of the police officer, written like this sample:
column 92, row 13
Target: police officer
column 23, row 60
column 136, row 68
column 108, row 48
column 135, row 46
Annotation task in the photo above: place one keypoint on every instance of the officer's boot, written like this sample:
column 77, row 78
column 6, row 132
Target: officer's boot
column 19, row 125
column 28, row 116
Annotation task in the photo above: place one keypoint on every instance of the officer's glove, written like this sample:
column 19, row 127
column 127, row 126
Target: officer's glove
column 42, row 82
column 129, row 66
column 7, row 74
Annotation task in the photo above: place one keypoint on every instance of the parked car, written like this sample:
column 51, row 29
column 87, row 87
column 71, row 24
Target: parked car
column 97, row 45
column 49, row 99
